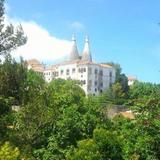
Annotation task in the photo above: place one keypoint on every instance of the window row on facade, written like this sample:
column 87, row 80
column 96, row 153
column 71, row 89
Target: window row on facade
column 96, row 83
column 80, row 70
column 95, row 89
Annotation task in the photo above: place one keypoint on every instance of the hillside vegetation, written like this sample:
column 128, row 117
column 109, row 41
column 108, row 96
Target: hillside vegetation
column 57, row 121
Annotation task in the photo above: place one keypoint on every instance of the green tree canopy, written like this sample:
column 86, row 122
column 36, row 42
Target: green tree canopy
column 144, row 89
column 11, row 37
column 120, row 77
column 13, row 76
column 9, row 152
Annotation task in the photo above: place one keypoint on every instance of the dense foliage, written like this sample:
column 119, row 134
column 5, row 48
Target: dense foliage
column 11, row 37
column 58, row 121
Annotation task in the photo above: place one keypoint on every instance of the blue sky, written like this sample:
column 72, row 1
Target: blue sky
column 122, row 31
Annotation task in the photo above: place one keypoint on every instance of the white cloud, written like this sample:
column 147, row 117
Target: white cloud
column 40, row 44
column 77, row 26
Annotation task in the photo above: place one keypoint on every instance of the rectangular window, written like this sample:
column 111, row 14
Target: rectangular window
column 73, row 70
column 95, row 71
column 110, row 74
column 89, row 70
column 53, row 73
column 61, row 72
column 83, row 82
column 56, row 74
column 89, row 88
column 90, row 82
column 67, row 72
column 101, row 72
column 79, row 70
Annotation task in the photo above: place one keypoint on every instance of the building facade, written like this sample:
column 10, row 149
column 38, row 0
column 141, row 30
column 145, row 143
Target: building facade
column 131, row 80
column 94, row 78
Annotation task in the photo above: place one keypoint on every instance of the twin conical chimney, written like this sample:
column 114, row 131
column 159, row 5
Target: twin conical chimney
column 86, row 54
column 74, row 55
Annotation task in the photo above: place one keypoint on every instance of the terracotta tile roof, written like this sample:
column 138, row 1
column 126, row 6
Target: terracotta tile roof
column 33, row 61
column 87, row 62
column 106, row 65
column 94, row 63
column 78, row 62
column 36, row 65
column 132, row 78
column 38, row 69
column 64, row 63
column 129, row 115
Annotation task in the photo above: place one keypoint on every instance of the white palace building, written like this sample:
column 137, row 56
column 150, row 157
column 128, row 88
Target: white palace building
column 94, row 77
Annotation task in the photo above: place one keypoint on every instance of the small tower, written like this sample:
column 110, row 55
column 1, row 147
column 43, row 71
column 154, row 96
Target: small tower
column 74, row 51
column 86, row 55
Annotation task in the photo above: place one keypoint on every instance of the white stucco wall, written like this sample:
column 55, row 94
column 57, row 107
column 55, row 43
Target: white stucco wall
column 94, row 77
